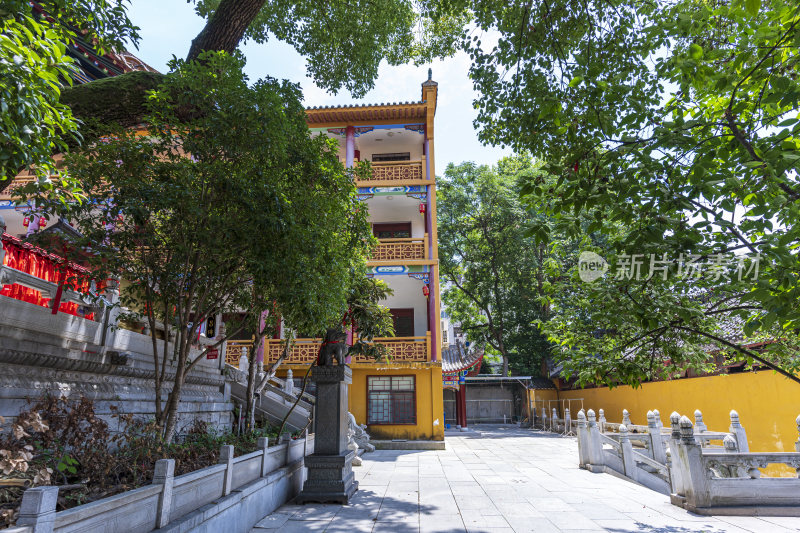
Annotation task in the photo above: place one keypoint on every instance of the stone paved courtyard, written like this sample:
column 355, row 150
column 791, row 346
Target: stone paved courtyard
column 505, row 479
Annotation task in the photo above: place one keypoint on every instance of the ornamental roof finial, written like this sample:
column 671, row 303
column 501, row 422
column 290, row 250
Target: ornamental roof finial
column 430, row 74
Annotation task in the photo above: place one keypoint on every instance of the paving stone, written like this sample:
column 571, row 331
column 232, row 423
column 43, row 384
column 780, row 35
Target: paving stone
column 506, row 480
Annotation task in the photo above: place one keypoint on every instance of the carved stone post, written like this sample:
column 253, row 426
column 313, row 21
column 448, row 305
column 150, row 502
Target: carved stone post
column 554, row 421
column 657, row 416
column 626, row 418
column 330, row 467
column 741, row 435
column 583, row 444
column 111, row 314
column 674, row 467
column 164, row 475
column 226, row 458
column 288, row 385
column 567, row 422
column 689, row 457
column 797, row 444
column 628, row 464
column 699, row 425
column 263, row 445
column 602, row 421
column 595, row 454
column 38, row 509
column 656, row 444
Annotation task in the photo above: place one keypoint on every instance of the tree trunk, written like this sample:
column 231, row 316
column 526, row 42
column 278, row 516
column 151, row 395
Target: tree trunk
column 226, row 27
column 171, row 409
column 505, row 366
column 250, row 410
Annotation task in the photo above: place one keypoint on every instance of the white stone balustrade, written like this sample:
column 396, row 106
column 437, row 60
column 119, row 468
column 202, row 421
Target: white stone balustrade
column 230, row 496
column 681, row 461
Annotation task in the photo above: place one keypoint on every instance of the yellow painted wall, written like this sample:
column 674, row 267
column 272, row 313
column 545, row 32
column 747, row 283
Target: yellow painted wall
column 767, row 403
column 430, row 404
column 430, row 400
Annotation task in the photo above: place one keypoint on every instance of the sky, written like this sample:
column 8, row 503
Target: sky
column 168, row 27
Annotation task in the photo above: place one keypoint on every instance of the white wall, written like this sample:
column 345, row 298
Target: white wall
column 408, row 294
column 393, row 140
column 384, row 141
column 400, row 208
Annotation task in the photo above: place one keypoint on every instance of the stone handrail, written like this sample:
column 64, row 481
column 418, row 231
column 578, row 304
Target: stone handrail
column 171, row 502
column 605, row 439
column 620, row 456
column 701, row 478
column 730, row 482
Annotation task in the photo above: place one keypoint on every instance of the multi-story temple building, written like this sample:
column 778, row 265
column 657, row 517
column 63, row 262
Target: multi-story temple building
column 400, row 398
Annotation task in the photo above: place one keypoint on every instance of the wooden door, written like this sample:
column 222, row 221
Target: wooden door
column 403, row 322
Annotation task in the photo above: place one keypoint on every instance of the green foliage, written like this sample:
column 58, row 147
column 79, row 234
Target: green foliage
column 672, row 129
column 33, row 67
column 492, row 271
column 343, row 43
column 226, row 204
column 370, row 318
column 68, row 444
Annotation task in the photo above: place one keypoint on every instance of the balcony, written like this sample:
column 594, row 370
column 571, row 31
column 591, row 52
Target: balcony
column 400, row 250
column 396, row 172
column 19, row 181
column 305, row 351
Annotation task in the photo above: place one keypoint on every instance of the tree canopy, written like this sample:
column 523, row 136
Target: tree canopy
column 34, row 65
column 671, row 127
column 492, row 272
column 232, row 208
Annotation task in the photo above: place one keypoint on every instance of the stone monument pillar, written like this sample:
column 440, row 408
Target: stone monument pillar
column 330, row 467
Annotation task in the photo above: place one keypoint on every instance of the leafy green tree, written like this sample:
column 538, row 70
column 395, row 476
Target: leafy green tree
column 672, row 128
column 33, row 67
column 233, row 207
column 343, row 42
column 491, row 271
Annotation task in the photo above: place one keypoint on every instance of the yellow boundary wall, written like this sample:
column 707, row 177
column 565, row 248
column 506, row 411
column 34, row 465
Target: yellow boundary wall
column 767, row 403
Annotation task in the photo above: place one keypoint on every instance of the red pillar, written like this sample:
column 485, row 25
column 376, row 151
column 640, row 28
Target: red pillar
column 461, row 406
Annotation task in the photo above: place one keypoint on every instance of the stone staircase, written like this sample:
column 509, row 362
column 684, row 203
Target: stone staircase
column 274, row 401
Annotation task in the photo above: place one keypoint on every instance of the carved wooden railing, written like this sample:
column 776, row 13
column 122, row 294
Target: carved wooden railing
column 19, row 181
column 398, row 171
column 401, row 249
column 305, row 351
column 235, row 349
column 405, row 349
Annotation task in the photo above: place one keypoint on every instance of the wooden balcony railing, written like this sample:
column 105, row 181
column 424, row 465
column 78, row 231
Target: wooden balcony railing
column 235, row 349
column 401, row 249
column 391, row 171
column 19, row 181
column 405, row 349
column 304, row 351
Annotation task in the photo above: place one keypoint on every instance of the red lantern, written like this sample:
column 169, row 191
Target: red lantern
column 421, row 209
column 42, row 222
column 426, row 290
column 26, row 221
